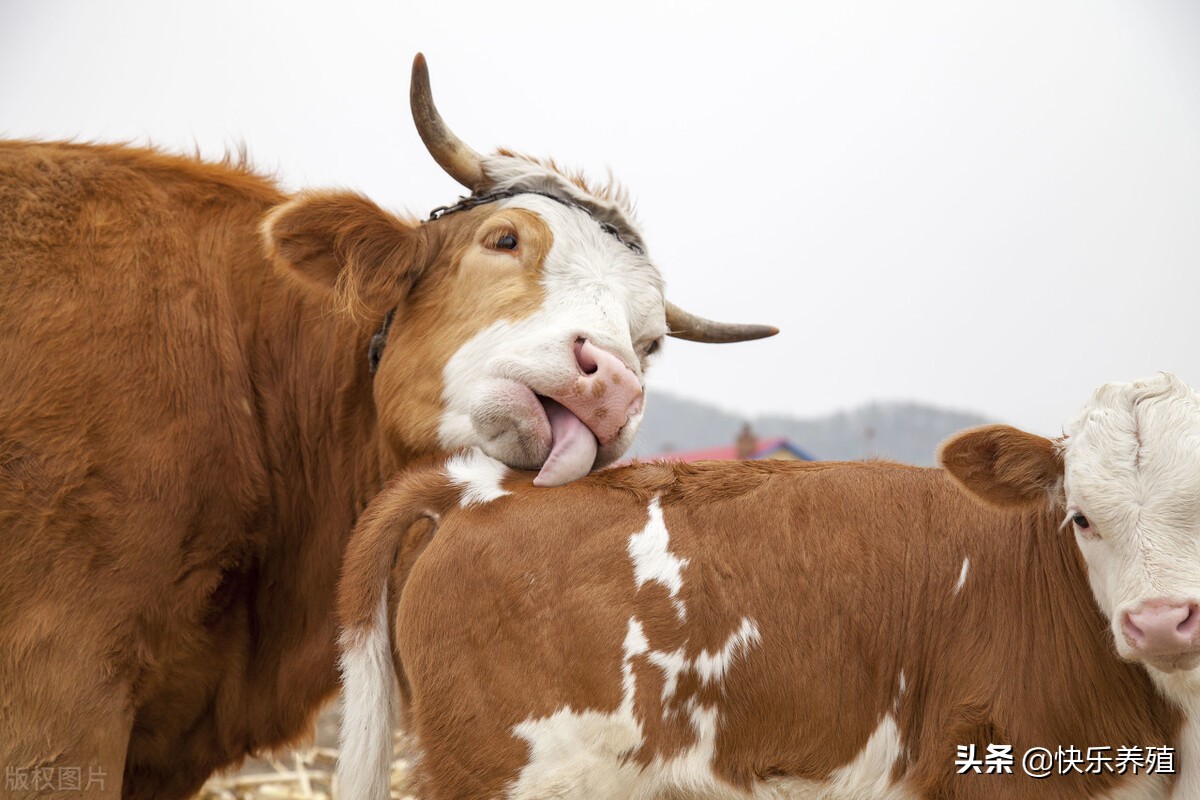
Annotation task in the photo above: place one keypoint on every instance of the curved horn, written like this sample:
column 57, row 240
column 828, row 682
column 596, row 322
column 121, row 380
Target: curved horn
column 451, row 153
column 685, row 325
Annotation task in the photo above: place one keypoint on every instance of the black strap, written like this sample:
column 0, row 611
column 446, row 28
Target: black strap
column 378, row 342
column 475, row 200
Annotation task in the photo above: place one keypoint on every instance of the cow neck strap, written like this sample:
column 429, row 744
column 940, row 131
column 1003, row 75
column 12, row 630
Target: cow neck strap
column 378, row 342
column 475, row 200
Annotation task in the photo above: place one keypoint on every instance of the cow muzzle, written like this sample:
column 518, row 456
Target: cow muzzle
column 589, row 412
column 1164, row 633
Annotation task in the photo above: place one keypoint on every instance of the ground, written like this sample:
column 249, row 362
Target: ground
column 306, row 772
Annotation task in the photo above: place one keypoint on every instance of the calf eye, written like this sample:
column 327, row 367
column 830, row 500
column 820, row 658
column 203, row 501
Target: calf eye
column 1081, row 522
column 506, row 242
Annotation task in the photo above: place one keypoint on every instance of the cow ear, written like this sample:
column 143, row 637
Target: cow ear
column 345, row 245
column 1003, row 465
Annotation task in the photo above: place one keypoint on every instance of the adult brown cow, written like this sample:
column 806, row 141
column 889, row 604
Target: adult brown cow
column 190, row 421
column 809, row 631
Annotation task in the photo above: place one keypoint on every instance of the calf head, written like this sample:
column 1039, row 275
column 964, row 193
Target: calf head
column 520, row 321
column 1126, row 475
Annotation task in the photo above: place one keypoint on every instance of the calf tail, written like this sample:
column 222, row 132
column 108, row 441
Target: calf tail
column 386, row 541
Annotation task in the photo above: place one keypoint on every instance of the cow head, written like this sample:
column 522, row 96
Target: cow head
column 1126, row 476
column 520, row 321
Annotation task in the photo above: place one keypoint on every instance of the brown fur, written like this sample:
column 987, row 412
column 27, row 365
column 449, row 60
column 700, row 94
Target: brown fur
column 188, row 431
column 518, row 607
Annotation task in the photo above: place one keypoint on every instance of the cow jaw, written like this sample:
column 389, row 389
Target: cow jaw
column 1132, row 467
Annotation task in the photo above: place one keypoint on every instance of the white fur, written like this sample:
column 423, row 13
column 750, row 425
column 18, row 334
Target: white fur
column 672, row 665
column 714, row 666
column 1184, row 687
column 962, row 575
column 901, row 688
column 479, row 475
column 368, row 706
column 595, row 287
column 584, row 753
column 869, row 774
column 653, row 560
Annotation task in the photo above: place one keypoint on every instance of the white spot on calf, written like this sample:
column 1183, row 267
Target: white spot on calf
column 962, row 575
column 584, row 753
column 367, row 709
column 869, row 774
column 902, row 686
column 479, row 476
column 672, row 664
column 653, row 561
column 713, row 666
column 588, row 753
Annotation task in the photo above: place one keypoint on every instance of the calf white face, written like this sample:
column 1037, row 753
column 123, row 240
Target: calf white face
column 1132, row 483
column 1127, row 476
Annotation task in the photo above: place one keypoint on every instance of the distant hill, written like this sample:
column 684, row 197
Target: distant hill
column 908, row 432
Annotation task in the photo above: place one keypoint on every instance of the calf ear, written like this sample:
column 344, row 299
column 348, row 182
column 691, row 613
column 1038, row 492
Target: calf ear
column 1003, row 465
column 345, row 245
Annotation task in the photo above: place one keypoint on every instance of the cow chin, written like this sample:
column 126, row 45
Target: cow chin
column 608, row 453
column 511, row 425
column 1179, row 662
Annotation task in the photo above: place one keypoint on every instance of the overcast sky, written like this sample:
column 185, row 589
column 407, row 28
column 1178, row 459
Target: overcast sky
column 990, row 206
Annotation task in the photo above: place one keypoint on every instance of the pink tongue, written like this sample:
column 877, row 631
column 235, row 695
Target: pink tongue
column 572, row 449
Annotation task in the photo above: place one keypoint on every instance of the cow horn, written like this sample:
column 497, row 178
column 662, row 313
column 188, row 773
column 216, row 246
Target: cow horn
column 451, row 153
column 686, row 325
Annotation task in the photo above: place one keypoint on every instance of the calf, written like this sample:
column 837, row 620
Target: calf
column 805, row 630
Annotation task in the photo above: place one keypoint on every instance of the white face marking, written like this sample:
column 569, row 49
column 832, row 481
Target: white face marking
column 479, row 476
column 962, row 575
column 367, row 708
column 653, row 561
column 1132, row 467
column 595, row 288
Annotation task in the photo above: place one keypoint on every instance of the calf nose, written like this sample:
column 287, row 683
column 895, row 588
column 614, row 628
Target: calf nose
column 606, row 393
column 1162, row 627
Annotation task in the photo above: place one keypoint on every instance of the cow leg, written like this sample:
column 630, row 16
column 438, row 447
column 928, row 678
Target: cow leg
column 64, row 723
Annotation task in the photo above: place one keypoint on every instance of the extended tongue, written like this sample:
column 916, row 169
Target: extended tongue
column 572, row 447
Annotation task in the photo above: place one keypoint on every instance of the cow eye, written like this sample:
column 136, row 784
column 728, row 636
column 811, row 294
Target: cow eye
column 652, row 348
column 1081, row 522
column 507, row 242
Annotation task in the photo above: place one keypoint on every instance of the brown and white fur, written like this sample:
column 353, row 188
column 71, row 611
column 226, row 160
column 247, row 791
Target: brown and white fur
column 772, row 630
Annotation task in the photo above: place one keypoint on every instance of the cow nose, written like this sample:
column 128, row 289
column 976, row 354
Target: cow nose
column 605, row 394
column 1162, row 627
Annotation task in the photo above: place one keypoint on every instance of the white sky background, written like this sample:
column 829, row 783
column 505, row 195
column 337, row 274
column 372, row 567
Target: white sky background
column 991, row 206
